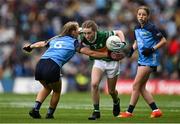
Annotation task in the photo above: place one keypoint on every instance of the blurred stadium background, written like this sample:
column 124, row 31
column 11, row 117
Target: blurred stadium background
column 24, row 21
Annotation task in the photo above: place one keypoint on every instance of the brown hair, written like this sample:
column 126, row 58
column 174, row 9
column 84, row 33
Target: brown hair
column 144, row 8
column 69, row 27
column 90, row 24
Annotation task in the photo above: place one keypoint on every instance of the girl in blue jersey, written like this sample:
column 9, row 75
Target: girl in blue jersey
column 61, row 48
column 148, row 39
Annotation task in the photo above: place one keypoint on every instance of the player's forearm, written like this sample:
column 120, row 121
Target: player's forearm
column 38, row 44
column 120, row 34
column 92, row 53
column 162, row 42
column 99, row 54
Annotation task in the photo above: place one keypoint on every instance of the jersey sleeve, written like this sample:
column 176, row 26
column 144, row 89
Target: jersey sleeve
column 47, row 45
column 156, row 33
column 134, row 35
column 134, row 38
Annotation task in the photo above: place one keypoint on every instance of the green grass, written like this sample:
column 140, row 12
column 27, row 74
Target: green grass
column 76, row 107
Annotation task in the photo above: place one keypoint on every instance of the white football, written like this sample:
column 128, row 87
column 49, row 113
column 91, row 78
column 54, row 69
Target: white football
column 114, row 43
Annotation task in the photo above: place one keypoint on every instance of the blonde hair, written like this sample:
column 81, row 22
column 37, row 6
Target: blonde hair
column 90, row 24
column 144, row 8
column 69, row 27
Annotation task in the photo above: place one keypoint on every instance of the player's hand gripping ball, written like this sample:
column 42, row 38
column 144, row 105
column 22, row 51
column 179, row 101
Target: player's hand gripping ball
column 116, row 55
column 114, row 43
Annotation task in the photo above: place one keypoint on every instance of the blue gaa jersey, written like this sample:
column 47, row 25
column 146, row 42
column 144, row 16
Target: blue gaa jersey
column 61, row 49
column 147, row 37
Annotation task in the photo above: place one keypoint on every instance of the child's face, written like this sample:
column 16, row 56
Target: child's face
column 142, row 16
column 89, row 34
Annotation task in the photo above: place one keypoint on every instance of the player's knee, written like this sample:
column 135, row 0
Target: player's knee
column 112, row 92
column 143, row 90
column 135, row 87
column 47, row 87
column 94, row 86
column 56, row 89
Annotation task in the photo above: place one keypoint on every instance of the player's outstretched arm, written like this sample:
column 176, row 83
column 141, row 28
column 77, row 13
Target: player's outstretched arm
column 30, row 47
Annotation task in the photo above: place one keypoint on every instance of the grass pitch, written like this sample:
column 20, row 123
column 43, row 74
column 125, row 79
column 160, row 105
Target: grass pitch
column 76, row 108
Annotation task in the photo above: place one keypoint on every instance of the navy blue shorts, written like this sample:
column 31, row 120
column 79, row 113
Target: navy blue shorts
column 47, row 70
column 154, row 68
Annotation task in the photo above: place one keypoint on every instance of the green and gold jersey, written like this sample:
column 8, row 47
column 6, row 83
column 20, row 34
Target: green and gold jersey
column 99, row 44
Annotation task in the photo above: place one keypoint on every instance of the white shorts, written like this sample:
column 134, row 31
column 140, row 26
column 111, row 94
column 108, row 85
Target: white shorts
column 111, row 68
